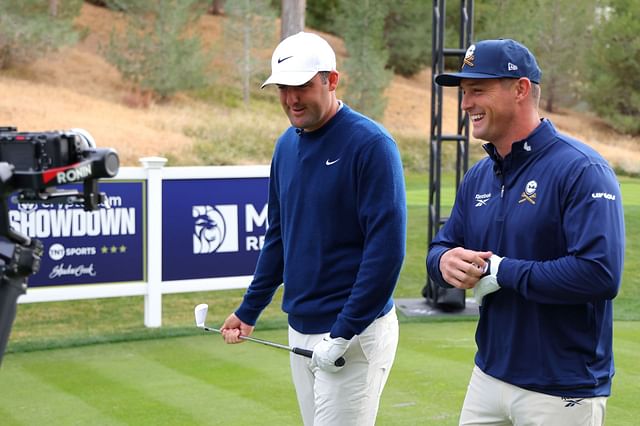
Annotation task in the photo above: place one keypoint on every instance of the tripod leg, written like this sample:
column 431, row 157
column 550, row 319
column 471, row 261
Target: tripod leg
column 10, row 290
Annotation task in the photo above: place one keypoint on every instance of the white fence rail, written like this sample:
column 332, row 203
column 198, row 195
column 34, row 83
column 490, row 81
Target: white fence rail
column 153, row 286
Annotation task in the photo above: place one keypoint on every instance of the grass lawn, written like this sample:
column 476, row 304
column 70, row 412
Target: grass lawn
column 199, row 380
column 94, row 362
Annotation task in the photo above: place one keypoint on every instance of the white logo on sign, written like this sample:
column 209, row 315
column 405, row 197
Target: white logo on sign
column 27, row 207
column 56, row 251
column 72, row 271
column 215, row 229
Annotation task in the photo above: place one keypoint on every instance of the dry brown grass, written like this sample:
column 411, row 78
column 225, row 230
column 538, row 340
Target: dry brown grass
column 78, row 88
column 408, row 113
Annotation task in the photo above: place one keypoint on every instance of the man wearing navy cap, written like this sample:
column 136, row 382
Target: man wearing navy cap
column 537, row 231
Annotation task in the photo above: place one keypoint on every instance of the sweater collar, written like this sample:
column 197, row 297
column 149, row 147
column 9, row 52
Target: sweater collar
column 333, row 121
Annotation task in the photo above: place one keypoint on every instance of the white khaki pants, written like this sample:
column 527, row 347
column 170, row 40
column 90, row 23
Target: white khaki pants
column 490, row 401
column 351, row 395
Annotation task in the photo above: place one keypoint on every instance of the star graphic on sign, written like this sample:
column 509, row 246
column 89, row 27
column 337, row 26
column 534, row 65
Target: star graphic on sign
column 104, row 250
column 114, row 249
column 123, row 248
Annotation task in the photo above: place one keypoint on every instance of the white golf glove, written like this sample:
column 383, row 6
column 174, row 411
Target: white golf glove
column 327, row 351
column 489, row 282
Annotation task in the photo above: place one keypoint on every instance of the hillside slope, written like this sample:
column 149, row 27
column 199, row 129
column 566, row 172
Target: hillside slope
column 78, row 88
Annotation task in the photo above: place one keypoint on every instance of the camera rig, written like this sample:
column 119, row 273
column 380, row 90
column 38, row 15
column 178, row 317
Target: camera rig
column 32, row 166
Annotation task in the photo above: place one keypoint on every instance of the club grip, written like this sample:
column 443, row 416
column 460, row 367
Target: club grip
column 303, row 352
column 308, row 353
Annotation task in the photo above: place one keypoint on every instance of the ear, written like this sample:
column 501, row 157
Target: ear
column 334, row 78
column 522, row 88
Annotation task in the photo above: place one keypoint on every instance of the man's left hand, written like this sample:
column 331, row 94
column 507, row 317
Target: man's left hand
column 489, row 281
column 327, row 351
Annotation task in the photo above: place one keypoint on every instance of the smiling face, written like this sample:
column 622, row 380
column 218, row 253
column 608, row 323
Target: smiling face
column 312, row 104
column 491, row 105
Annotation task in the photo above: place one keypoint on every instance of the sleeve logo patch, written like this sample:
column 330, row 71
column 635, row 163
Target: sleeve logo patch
column 603, row 195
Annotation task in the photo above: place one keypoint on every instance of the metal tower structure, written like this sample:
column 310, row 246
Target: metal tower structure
column 446, row 298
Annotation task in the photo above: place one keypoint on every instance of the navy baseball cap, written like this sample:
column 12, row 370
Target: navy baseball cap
column 504, row 58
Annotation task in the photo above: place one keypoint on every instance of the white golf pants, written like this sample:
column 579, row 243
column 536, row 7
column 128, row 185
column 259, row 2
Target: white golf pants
column 490, row 401
column 350, row 396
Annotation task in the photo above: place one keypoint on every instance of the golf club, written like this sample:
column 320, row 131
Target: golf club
column 201, row 316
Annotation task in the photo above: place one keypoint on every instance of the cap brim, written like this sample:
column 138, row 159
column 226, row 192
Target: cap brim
column 454, row 79
column 290, row 78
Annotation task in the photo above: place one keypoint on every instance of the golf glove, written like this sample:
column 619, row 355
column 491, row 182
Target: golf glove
column 489, row 281
column 327, row 351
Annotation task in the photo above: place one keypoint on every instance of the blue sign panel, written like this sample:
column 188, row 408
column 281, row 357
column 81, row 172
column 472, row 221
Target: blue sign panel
column 101, row 246
column 212, row 228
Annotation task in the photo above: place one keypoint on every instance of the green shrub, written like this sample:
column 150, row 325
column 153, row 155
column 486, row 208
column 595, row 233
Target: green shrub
column 28, row 31
column 157, row 53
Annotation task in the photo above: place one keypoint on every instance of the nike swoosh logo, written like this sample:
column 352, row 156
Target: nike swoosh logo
column 284, row 59
column 328, row 163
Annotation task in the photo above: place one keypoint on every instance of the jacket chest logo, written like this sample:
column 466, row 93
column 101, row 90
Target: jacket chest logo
column 481, row 200
column 529, row 193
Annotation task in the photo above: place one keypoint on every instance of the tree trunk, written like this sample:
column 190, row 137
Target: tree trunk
column 550, row 101
column 292, row 17
column 53, row 8
column 217, row 7
column 246, row 78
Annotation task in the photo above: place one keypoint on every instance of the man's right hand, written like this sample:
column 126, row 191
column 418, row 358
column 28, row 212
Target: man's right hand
column 233, row 328
column 463, row 268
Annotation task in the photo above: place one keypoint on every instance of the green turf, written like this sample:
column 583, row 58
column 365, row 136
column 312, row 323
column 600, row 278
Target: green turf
column 173, row 375
column 627, row 304
column 200, row 380
column 59, row 324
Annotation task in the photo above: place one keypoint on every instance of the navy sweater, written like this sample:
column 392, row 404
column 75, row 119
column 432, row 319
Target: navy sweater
column 552, row 209
column 337, row 227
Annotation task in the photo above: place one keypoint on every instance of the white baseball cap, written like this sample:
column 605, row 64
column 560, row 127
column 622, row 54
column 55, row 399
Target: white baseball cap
column 300, row 57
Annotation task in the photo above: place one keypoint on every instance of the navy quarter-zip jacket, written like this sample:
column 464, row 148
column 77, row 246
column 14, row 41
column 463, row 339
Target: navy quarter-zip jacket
column 552, row 209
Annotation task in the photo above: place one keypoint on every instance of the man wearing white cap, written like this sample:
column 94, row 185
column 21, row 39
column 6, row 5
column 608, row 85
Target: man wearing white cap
column 336, row 239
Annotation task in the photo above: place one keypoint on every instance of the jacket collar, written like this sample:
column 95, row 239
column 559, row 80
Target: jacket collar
column 538, row 140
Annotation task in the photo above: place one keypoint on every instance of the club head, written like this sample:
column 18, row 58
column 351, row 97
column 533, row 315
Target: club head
column 201, row 314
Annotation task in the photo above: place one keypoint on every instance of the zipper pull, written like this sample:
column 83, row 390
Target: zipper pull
column 502, row 191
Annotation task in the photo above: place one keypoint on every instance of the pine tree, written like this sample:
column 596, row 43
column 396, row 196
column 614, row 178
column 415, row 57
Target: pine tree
column 29, row 31
column 362, row 22
column 248, row 30
column 556, row 31
column 407, row 35
column 614, row 89
column 158, row 53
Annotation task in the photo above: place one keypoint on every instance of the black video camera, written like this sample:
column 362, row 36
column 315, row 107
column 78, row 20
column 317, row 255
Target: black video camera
column 32, row 166
column 34, row 163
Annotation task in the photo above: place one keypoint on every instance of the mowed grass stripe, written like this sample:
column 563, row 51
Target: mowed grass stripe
column 430, row 396
column 622, row 407
column 27, row 399
column 430, row 357
column 200, row 380
column 115, row 401
column 170, row 381
column 227, row 369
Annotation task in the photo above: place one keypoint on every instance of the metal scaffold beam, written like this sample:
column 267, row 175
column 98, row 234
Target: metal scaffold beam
column 446, row 298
